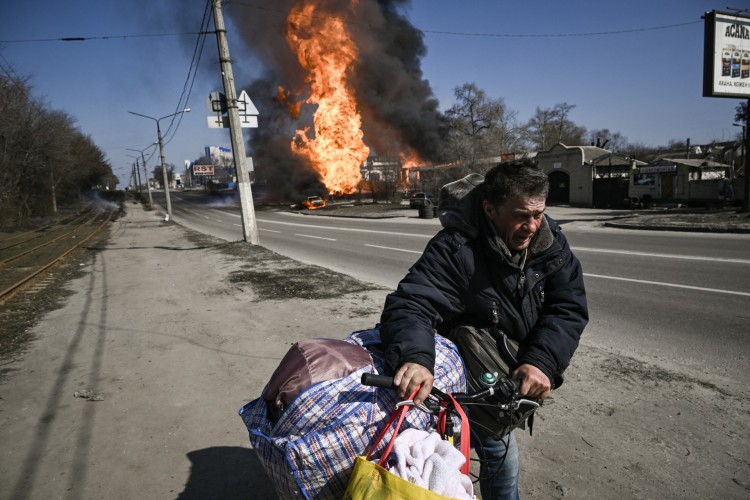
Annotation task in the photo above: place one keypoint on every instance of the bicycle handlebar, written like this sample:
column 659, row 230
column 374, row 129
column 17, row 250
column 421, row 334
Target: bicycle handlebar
column 506, row 388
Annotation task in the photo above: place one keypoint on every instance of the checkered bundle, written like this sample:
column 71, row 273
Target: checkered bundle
column 309, row 452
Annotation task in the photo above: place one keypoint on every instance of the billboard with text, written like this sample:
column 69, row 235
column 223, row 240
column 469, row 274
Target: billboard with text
column 726, row 56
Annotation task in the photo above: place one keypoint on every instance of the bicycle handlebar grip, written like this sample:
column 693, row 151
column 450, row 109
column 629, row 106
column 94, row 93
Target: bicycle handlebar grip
column 374, row 380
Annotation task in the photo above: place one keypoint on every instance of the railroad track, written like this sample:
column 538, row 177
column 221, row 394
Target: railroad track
column 25, row 256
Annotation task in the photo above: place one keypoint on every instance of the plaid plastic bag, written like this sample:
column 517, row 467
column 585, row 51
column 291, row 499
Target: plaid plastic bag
column 310, row 450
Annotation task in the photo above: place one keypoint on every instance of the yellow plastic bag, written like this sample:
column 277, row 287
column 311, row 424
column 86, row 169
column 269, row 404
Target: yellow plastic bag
column 369, row 481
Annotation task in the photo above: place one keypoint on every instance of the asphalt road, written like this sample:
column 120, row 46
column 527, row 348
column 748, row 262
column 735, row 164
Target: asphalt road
column 674, row 298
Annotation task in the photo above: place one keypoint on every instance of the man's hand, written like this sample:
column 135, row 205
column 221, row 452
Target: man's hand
column 534, row 383
column 409, row 377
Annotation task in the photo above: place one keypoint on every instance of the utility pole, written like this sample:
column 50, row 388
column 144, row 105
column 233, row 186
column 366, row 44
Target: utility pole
column 161, row 154
column 746, row 129
column 145, row 173
column 249, row 226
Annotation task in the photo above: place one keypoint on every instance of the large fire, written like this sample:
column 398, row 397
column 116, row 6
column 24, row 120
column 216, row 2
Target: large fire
column 326, row 51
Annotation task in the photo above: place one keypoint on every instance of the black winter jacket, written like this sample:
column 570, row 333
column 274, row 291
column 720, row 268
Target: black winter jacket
column 465, row 277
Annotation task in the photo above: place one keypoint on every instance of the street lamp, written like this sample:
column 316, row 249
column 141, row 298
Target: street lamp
column 145, row 172
column 161, row 153
column 137, row 173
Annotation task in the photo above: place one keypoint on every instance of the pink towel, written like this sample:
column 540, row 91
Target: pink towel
column 426, row 460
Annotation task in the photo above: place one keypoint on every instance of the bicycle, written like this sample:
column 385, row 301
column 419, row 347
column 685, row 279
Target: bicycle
column 501, row 394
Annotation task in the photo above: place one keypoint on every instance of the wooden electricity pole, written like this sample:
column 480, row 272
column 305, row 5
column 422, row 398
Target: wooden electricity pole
column 249, row 225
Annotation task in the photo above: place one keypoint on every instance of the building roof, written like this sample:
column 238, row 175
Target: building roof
column 699, row 163
column 616, row 160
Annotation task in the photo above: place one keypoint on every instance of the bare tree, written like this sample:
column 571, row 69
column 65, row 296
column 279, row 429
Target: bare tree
column 613, row 141
column 479, row 127
column 550, row 126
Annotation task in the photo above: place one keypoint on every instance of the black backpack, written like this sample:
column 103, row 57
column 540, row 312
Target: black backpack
column 490, row 350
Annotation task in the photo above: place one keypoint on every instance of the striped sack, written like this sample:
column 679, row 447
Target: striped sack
column 310, row 450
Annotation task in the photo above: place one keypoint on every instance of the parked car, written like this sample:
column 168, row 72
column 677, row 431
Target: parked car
column 420, row 199
column 313, row 202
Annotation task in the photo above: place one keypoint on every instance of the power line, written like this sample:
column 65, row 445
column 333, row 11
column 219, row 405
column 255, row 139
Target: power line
column 107, row 37
column 193, row 69
column 493, row 35
column 432, row 32
column 558, row 35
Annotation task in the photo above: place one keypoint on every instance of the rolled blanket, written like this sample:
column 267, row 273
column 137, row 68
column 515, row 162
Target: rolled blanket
column 426, row 460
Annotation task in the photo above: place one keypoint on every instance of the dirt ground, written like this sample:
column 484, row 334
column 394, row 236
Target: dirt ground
column 130, row 386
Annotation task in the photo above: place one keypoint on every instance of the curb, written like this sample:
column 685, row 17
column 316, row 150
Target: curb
column 687, row 229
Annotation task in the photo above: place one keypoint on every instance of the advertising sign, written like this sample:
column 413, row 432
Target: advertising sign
column 203, row 170
column 726, row 55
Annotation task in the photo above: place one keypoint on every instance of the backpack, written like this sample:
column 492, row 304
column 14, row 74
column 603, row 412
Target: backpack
column 490, row 350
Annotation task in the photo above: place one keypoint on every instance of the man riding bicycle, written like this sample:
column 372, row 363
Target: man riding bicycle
column 499, row 262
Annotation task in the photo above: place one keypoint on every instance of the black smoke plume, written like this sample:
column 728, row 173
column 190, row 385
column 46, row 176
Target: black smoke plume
column 399, row 110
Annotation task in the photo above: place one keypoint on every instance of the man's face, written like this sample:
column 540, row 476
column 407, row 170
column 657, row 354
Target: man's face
column 517, row 220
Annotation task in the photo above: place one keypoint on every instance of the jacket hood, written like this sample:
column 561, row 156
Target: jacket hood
column 458, row 202
column 459, row 208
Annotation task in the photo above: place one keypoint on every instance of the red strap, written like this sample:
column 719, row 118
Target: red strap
column 465, row 433
column 400, row 413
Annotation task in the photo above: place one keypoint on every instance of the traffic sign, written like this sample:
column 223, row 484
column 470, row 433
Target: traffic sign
column 246, row 106
column 218, row 121
column 217, row 102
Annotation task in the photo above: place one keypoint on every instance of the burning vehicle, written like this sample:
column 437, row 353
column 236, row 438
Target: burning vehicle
column 313, row 202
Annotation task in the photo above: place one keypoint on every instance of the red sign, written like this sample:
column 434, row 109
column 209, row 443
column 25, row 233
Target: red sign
column 203, row 170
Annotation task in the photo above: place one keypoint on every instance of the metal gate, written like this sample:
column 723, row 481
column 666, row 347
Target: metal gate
column 611, row 192
column 559, row 188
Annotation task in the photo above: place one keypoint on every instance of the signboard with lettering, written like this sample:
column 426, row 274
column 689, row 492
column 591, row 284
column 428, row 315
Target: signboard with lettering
column 726, row 55
column 203, row 170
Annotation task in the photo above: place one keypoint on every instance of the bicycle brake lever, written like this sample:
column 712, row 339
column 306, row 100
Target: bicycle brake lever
column 410, row 402
column 521, row 401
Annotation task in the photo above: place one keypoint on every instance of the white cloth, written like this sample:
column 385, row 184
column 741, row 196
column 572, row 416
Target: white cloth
column 427, row 460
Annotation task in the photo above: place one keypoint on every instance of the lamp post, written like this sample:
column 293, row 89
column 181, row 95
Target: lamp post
column 161, row 153
column 136, row 165
column 145, row 172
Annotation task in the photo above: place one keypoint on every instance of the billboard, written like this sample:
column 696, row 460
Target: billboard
column 726, row 55
column 203, row 170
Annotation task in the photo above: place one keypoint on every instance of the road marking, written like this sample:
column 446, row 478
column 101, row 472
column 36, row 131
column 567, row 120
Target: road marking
column 687, row 287
column 261, row 229
column 661, row 255
column 219, row 220
column 315, row 237
column 391, row 248
column 369, row 231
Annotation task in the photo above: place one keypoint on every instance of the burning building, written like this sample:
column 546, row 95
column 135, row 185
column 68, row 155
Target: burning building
column 341, row 81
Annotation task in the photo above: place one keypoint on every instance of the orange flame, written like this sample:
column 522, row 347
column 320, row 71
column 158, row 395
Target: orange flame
column 326, row 51
column 286, row 97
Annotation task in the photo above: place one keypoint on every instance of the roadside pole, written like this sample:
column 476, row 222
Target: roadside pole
column 746, row 195
column 249, row 226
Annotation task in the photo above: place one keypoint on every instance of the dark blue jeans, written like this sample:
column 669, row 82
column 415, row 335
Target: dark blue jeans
column 498, row 472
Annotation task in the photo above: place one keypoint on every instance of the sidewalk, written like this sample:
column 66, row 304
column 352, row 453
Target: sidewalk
column 169, row 349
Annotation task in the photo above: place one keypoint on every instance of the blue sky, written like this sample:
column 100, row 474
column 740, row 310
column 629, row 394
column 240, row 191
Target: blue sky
column 646, row 84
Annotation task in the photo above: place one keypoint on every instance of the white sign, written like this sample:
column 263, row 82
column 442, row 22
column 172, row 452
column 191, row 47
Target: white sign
column 218, row 121
column 245, row 107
